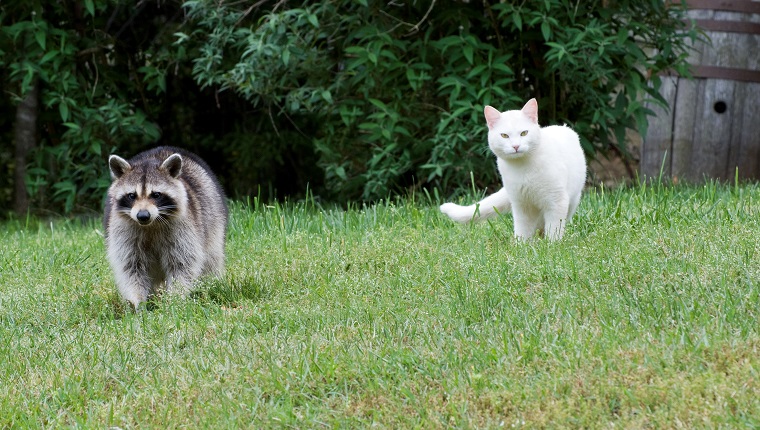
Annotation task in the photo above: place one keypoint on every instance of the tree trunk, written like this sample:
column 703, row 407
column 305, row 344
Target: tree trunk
column 26, row 139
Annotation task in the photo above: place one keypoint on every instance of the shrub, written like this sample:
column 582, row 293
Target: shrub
column 353, row 99
column 397, row 92
column 90, row 85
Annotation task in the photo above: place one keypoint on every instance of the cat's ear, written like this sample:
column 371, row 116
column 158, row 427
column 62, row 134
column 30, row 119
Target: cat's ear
column 531, row 110
column 492, row 116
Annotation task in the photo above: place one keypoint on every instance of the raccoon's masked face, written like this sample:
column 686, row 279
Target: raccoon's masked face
column 147, row 193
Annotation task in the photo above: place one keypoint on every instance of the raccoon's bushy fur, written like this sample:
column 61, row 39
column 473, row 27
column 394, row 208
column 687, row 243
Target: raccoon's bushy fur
column 165, row 222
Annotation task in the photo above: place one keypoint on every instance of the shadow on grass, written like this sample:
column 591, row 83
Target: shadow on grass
column 91, row 306
column 229, row 292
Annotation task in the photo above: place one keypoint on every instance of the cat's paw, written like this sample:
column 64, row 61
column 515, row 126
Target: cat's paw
column 460, row 214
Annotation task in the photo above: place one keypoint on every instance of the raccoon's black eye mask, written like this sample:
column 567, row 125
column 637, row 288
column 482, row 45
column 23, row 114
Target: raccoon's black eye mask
column 164, row 203
column 127, row 200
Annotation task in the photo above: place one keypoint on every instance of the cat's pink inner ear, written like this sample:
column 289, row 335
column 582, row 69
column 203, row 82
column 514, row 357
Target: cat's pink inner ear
column 531, row 110
column 492, row 115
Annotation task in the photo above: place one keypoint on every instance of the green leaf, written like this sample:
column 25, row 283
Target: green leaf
column 503, row 68
column 386, row 53
column 411, row 78
column 40, row 36
column 517, row 18
column 181, row 38
column 622, row 36
column 378, row 104
column 285, row 56
column 468, row 53
column 313, row 20
column 90, row 6
column 578, row 38
column 327, row 96
column 341, row 173
column 48, row 56
column 546, row 30
column 368, row 126
column 476, row 71
column 402, row 130
column 355, row 50
column 63, row 108
column 26, row 82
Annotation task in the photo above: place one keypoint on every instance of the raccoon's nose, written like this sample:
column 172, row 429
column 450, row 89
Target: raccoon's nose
column 143, row 216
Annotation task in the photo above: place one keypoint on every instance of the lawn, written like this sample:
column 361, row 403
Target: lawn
column 646, row 314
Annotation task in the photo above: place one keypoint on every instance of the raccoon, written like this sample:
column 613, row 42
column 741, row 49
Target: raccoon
column 165, row 223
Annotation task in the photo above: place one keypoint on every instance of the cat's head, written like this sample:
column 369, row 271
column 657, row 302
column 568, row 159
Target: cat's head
column 513, row 133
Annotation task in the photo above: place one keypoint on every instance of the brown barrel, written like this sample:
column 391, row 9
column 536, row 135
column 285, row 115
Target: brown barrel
column 713, row 125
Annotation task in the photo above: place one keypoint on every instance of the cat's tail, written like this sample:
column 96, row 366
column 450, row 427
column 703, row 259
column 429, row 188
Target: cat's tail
column 490, row 206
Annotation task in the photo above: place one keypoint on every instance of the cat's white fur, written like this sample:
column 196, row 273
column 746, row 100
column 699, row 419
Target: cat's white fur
column 543, row 171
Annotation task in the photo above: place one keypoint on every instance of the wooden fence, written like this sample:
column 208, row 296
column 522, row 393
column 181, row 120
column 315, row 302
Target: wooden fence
column 713, row 125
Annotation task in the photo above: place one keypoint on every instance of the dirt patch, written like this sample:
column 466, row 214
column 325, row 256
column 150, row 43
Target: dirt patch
column 612, row 170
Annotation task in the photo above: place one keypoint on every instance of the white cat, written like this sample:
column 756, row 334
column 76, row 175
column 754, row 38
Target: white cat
column 543, row 171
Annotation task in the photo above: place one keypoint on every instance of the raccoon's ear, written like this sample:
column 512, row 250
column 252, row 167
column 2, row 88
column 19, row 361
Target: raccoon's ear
column 118, row 166
column 173, row 165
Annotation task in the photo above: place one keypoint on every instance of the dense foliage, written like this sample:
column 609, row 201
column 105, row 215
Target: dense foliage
column 85, row 57
column 355, row 99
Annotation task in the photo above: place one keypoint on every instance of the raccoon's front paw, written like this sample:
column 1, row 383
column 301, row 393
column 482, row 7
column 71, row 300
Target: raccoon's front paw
column 140, row 307
column 460, row 214
column 136, row 295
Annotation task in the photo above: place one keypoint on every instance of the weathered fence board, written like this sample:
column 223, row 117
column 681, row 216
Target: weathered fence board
column 713, row 125
column 660, row 129
column 748, row 130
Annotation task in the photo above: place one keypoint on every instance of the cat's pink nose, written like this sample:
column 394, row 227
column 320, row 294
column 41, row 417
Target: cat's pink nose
column 516, row 147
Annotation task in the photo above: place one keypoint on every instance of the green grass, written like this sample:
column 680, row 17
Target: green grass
column 644, row 315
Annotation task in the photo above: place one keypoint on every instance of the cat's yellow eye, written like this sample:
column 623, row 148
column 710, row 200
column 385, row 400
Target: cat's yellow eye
column 524, row 133
column 505, row 135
